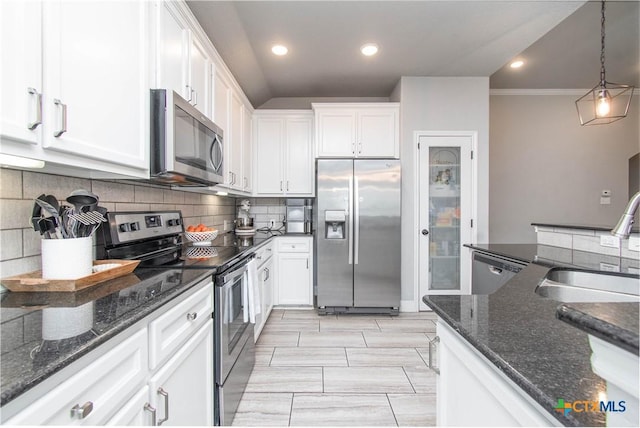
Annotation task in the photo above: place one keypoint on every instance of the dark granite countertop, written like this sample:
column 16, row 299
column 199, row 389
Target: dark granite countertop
column 527, row 339
column 599, row 228
column 31, row 350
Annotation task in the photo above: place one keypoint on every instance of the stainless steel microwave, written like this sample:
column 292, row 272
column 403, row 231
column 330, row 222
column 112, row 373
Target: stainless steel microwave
column 186, row 146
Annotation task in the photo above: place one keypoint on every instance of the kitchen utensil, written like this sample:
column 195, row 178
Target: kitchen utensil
column 59, row 227
column 50, row 211
column 82, row 198
column 36, row 215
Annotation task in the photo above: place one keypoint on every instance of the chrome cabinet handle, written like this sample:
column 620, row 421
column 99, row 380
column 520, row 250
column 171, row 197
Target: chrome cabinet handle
column 281, row 185
column 82, row 412
column 360, row 148
column 33, row 125
column 194, row 97
column 494, row 270
column 149, row 408
column 307, row 263
column 165, row 394
column 268, row 273
column 433, row 344
column 189, row 92
column 353, row 148
column 245, row 182
column 192, row 316
column 287, row 185
column 63, row 125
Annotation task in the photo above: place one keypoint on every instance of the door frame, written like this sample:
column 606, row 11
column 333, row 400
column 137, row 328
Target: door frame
column 416, row 208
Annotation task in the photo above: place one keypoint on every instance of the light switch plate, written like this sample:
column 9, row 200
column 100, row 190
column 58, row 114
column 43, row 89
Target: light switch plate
column 634, row 243
column 609, row 241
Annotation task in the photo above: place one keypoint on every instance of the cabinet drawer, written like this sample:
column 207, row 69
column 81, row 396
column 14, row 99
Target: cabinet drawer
column 171, row 330
column 264, row 254
column 105, row 385
column 289, row 245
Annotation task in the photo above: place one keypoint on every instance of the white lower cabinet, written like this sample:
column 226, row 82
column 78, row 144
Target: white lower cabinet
column 295, row 271
column 181, row 392
column 264, row 258
column 161, row 371
column 471, row 391
column 97, row 391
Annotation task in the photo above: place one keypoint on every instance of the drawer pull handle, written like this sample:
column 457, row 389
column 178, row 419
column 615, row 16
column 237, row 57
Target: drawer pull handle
column 192, row 316
column 149, row 408
column 63, row 118
column 38, row 121
column 82, row 412
column 165, row 394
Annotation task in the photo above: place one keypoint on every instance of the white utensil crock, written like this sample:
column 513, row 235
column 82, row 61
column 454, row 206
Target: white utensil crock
column 67, row 258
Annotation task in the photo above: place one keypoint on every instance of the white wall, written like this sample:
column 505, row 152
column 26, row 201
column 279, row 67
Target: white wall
column 545, row 167
column 438, row 104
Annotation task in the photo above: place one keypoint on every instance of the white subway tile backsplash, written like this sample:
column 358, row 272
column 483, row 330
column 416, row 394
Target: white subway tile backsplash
column 592, row 244
column 19, row 266
column 173, row 197
column 213, row 210
column 584, row 232
column 191, row 198
column 31, row 242
column 626, row 252
column 10, row 184
column 260, row 209
column 555, row 239
column 148, row 194
column 11, row 244
column 15, row 213
column 35, row 184
column 109, row 191
column 128, row 206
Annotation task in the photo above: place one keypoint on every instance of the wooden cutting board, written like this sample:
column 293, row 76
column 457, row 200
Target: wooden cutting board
column 33, row 281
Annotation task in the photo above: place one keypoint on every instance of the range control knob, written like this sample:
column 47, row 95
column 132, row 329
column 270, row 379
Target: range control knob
column 124, row 227
column 169, row 222
column 134, row 226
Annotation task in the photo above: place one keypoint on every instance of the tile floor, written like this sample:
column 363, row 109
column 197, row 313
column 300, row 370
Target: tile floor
column 341, row 370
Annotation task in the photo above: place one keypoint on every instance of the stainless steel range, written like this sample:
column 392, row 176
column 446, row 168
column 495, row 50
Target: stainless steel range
column 155, row 238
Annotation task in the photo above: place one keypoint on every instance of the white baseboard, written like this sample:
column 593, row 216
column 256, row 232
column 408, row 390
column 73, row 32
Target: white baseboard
column 408, row 306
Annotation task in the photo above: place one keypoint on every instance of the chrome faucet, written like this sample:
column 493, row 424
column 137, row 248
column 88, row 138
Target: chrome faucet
column 623, row 228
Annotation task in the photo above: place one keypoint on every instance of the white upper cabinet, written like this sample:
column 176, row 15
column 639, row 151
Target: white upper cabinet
column 368, row 130
column 284, row 153
column 66, row 67
column 247, row 152
column 21, row 78
column 234, row 141
column 183, row 63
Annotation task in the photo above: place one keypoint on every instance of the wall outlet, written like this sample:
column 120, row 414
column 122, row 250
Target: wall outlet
column 609, row 241
column 272, row 223
column 634, row 243
column 227, row 225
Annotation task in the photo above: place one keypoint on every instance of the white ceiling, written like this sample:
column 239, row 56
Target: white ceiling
column 416, row 38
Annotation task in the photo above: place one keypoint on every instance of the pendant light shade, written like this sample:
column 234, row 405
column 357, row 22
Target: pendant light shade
column 606, row 102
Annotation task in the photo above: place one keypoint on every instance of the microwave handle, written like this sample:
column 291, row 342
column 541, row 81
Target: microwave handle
column 216, row 143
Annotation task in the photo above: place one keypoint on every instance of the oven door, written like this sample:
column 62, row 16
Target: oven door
column 229, row 321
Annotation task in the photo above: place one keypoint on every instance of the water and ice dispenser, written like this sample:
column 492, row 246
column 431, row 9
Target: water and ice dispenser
column 335, row 224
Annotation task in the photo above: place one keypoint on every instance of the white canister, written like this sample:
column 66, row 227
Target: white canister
column 67, row 258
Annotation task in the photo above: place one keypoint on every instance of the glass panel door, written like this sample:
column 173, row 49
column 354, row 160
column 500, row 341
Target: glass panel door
column 444, row 218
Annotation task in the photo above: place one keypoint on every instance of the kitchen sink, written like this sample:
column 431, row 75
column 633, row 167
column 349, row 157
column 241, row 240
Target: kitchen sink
column 576, row 285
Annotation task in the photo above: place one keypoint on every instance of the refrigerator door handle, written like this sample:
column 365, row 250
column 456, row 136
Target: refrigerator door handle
column 356, row 221
column 350, row 222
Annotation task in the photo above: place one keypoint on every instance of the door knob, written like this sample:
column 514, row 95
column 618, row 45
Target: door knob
column 425, row 232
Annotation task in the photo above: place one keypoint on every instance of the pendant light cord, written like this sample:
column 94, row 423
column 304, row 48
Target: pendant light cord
column 602, row 72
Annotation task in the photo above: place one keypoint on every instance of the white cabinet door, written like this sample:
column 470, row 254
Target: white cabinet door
column 269, row 160
column 247, row 153
column 336, row 133
column 101, row 388
column 21, row 77
column 234, row 140
column 96, row 80
column 171, row 49
column 299, row 156
column 378, row 133
column 294, row 285
column 200, row 66
column 135, row 412
column 182, row 390
column 221, row 115
column 269, row 282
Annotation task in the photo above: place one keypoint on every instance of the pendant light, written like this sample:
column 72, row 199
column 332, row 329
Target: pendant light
column 606, row 102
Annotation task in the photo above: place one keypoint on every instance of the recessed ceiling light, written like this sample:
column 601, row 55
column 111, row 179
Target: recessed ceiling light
column 279, row 50
column 369, row 49
column 516, row 64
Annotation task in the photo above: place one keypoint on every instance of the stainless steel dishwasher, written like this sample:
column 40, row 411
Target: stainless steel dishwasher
column 489, row 272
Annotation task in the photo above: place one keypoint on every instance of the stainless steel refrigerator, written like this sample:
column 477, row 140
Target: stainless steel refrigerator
column 357, row 221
